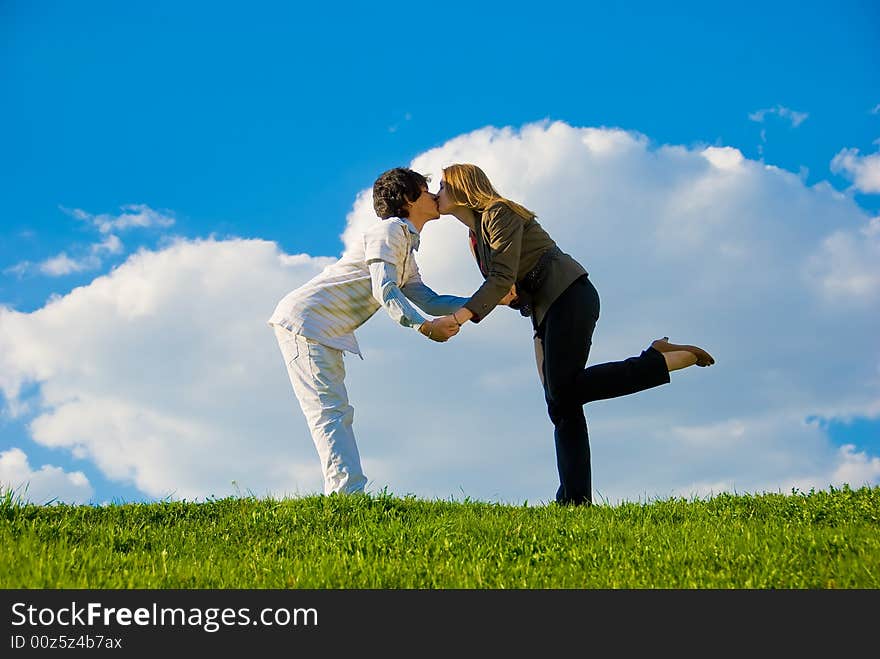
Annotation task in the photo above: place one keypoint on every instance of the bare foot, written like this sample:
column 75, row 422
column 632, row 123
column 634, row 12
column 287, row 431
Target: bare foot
column 703, row 357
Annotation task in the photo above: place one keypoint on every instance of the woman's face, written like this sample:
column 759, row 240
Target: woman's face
column 444, row 203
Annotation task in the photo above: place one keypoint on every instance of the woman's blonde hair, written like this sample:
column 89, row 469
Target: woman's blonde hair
column 468, row 185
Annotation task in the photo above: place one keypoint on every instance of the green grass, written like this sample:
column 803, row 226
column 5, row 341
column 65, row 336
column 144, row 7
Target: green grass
column 824, row 539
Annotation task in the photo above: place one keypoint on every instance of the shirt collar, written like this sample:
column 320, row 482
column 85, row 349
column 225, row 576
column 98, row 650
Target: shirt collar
column 413, row 231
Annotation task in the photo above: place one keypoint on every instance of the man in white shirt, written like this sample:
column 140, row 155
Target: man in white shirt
column 315, row 323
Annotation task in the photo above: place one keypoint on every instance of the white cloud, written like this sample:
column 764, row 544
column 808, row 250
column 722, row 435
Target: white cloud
column 726, row 158
column 62, row 264
column 19, row 269
column 164, row 374
column 127, row 388
column 111, row 244
column 91, row 257
column 844, row 268
column 857, row 467
column 796, row 118
column 133, row 215
column 45, row 485
column 863, row 171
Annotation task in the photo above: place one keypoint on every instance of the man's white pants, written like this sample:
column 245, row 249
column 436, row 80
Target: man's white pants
column 317, row 374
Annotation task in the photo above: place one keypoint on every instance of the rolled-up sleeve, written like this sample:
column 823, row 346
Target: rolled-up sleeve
column 386, row 241
column 504, row 229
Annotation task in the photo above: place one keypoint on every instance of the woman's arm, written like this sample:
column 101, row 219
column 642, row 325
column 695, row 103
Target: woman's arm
column 462, row 315
column 427, row 300
column 504, row 229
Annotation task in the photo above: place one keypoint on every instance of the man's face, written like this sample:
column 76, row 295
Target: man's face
column 425, row 207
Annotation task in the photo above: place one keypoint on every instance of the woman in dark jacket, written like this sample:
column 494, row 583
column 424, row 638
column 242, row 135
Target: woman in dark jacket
column 523, row 268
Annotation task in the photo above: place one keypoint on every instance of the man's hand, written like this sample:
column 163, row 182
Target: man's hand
column 510, row 297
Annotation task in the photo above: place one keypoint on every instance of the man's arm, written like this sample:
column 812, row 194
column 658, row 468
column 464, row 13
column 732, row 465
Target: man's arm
column 386, row 247
column 427, row 300
column 383, row 276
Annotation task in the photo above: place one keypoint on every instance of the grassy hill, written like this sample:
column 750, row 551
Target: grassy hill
column 824, row 539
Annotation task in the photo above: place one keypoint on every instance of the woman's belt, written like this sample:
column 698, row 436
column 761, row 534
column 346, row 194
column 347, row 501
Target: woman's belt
column 533, row 280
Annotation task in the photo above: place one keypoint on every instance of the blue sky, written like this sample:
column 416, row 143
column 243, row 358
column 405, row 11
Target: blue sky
column 264, row 120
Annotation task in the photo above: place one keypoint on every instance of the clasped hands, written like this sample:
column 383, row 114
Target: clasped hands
column 444, row 328
column 440, row 329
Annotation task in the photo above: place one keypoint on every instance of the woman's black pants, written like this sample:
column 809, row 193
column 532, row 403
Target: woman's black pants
column 563, row 343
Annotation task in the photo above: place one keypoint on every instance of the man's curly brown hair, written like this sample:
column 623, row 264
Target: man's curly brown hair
column 396, row 188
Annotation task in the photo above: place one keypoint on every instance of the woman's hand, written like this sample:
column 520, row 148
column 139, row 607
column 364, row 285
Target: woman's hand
column 510, row 297
column 440, row 329
column 445, row 328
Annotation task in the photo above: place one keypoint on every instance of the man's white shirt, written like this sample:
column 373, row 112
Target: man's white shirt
column 380, row 270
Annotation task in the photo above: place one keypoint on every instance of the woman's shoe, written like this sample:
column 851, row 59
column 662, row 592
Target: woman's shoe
column 703, row 357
